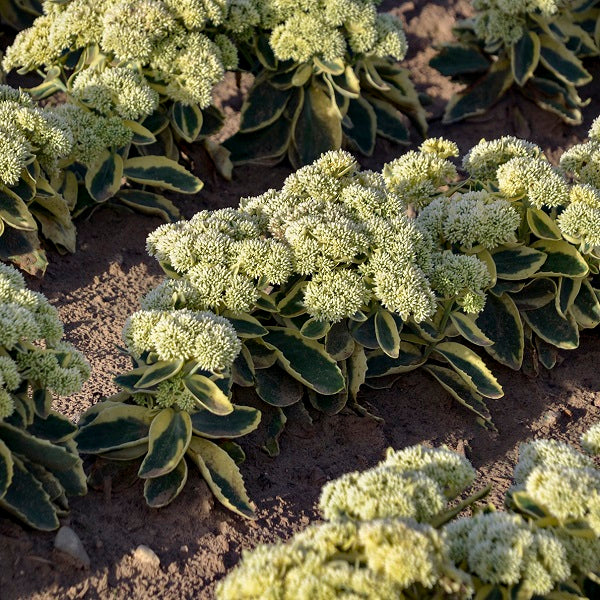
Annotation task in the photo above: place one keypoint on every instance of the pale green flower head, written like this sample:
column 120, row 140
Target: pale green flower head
column 594, row 132
column 580, row 221
column 263, row 258
column 390, row 40
column 116, row 90
column 483, row 160
column 583, row 553
column 582, row 161
column 590, row 440
column 440, row 147
column 10, row 378
column 416, row 177
column 380, row 493
column 534, row 179
column 451, row 471
column 183, row 334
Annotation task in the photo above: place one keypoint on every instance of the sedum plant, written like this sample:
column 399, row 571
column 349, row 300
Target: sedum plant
column 33, row 141
column 39, row 463
column 19, row 14
column 328, row 284
column 175, row 409
column 325, row 75
column 390, row 532
column 535, row 46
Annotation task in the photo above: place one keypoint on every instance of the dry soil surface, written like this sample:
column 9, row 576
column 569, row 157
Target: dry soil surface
column 196, row 540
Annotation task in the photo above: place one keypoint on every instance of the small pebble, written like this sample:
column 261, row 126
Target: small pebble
column 146, row 557
column 67, row 541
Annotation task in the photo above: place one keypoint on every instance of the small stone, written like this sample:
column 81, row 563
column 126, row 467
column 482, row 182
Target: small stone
column 67, row 541
column 146, row 557
column 184, row 549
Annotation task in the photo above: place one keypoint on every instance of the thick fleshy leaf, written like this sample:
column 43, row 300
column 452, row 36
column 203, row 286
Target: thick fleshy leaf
column 315, row 329
column 27, row 500
column 162, row 490
column 386, row 332
column 169, row 436
column 149, row 203
column 306, row 360
column 222, row 475
column 562, row 62
column 361, row 127
column 103, row 177
column 556, row 97
column 467, row 327
column 274, row 431
column 243, row 420
column 455, row 385
column 568, row 289
column 141, row 135
column 187, row 120
column 552, row 327
column 459, row 59
column 54, row 216
column 267, row 143
column 127, row 454
column 356, row 372
column 561, row 259
column 54, row 428
column 332, row 404
column 391, row 123
column 586, row 307
column 517, row 263
column 536, row 294
column 480, row 96
column 161, row 172
column 262, row 356
column 263, row 105
column 292, row 304
column 364, row 332
column 380, row 364
column 159, row 371
column 543, row 225
column 6, row 468
column 525, row 55
column 339, row 343
column 243, row 370
column 500, row 322
column 245, row 325
column 36, row 449
column 275, row 387
column 208, row 394
column 547, row 353
column 14, row 212
column 471, row 368
column 117, row 426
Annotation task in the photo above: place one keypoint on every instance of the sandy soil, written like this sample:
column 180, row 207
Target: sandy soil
column 197, row 541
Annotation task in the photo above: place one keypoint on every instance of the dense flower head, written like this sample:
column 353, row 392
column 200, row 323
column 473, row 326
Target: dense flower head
column 534, row 179
column 470, row 219
column 580, row 220
column 590, row 440
column 31, row 349
column 28, row 132
column 163, row 39
column 183, row 334
column 330, row 29
column 582, row 161
column 501, row 548
column 483, row 160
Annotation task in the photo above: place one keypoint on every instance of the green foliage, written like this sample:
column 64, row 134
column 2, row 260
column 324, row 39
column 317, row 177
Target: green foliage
column 391, row 532
column 536, row 45
column 175, row 408
column 19, row 14
column 325, row 74
column 39, row 463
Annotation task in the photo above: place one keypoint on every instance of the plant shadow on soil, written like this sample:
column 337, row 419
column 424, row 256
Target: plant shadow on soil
column 198, row 541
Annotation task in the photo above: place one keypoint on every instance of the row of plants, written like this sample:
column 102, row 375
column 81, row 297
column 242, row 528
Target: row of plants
column 393, row 532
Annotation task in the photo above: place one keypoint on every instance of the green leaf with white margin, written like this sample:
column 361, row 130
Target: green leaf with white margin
column 117, row 426
column 243, row 420
column 357, row 368
column 552, row 327
column 315, row 329
column 391, row 123
column 537, row 293
column 562, row 62
column 159, row 371
column 245, row 325
column 162, row 490
column 467, row 327
column 543, row 225
column 519, row 262
column 169, row 436
column 243, row 370
column 339, row 344
column 222, row 476
column 149, row 203
column 306, row 360
column 208, row 394
column 14, row 212
column 292, row 305
column 275, row 387
column 525, row 56
column 386, row 331
column 364, row 332
column 274, row 430
column 471, row 368
column 6, row 468
column 568, row 289
column 562, row 259
column 187, row 121
column 141, row 135
column 263, row 105
column 27, row 500
column 586, row 307
column 360, row 125
column 127, row 454
column 500, row 322
column 103, row 177
column 54, row 427
column 43, row 452
column 161, row 172
column 455, row 385
column 380, row 364
column 459, row 59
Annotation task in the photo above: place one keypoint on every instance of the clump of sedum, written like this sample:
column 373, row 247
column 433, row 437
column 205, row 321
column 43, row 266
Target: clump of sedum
column 39, row 463
column 385, row 538
column 326, row 72
column 535, row 46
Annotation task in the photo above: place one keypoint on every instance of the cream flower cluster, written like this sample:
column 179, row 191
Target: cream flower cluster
column 31, row 350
